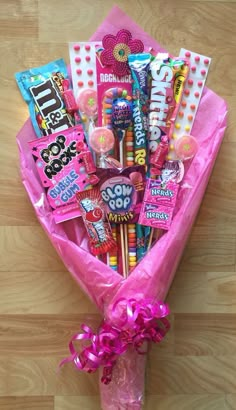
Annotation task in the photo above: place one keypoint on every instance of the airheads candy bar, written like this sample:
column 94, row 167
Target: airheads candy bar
column 56, row 159
column 93, row 213
column 168, row 76
column 42, row 89
column 139, row 66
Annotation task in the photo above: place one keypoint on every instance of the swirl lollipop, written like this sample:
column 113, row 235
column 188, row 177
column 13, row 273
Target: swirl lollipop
column 186, row 147
column 87, row 103
column 102, row 140
column 121, row 120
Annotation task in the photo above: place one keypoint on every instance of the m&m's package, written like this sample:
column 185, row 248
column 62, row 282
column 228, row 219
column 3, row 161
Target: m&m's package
column 43, row 88
column 58, row 164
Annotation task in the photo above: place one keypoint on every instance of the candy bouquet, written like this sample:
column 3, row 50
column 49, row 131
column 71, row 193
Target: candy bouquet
column 116, row 157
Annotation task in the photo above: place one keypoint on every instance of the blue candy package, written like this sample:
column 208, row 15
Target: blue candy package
column 42, row 88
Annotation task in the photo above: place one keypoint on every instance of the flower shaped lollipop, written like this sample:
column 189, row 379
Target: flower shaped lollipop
column 116, row 51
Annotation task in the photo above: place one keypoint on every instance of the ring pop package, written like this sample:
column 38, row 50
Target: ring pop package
column 168, row 76
column 93, row 213
column 56, row 158
column 110, row 87
column 42, row 88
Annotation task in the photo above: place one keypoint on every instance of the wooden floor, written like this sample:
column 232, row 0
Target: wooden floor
column 40, row 305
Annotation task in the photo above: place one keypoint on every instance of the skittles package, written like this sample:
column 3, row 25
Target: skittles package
column 168, row 76
column 42, row 88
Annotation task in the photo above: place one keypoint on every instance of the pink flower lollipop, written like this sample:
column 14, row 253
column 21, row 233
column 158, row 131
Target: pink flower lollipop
column 101, row 140
column 186, row 147
column 87, row 102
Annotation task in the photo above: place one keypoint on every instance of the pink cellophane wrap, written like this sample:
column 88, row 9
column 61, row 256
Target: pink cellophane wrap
column 154, row 274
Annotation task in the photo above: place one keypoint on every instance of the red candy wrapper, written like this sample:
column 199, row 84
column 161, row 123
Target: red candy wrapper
column 94, row 217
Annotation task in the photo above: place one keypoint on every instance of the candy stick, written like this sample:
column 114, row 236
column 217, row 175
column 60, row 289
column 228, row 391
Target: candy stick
column 83, row 65
column 168, row 79
column 139, row 66
column 87, row 104
column 117, row 114
column 120, row 197
column 121, row 119
column 193, row 88
column 132, row 244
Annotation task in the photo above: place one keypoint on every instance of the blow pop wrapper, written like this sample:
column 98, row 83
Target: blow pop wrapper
column 42, row 88
column 122, row 192
column 93, row 213
column 167, row 81
column 56, row 160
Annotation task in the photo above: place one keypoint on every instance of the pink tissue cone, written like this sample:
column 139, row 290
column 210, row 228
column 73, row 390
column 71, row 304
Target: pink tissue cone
column 153, row 276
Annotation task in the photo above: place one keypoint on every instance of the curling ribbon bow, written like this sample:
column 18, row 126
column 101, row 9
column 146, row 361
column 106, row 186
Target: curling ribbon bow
column 139, row 322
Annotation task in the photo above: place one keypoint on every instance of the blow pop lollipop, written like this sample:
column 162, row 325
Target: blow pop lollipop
column 102, row 141
column 121, row 120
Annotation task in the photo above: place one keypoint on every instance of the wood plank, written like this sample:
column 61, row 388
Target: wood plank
column 210, row 248
column 204, row 335
column 41, row 335
column 77, row 402
column 27, row 403
column 187, row 402
column 191, row 374
column 18, row 19
column 43, row 292
column 203, row 292
column 38, row 253
column 40, row 376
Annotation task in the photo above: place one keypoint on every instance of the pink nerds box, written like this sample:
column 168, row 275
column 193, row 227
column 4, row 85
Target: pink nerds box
column 152, row 277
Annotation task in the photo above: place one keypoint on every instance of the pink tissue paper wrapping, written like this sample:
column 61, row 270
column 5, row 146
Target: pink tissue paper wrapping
column 154, row 274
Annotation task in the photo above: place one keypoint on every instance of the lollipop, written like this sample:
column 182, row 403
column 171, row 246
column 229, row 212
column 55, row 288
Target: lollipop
column 186, row 147
column 102, row 141
column 121, row 120
column 87, row 103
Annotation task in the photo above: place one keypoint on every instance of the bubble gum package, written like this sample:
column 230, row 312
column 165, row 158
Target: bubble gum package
column 62, row 175
column 42, row 88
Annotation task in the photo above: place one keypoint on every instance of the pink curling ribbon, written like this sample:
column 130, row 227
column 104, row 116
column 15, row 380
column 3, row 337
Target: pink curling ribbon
column 137, row 322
